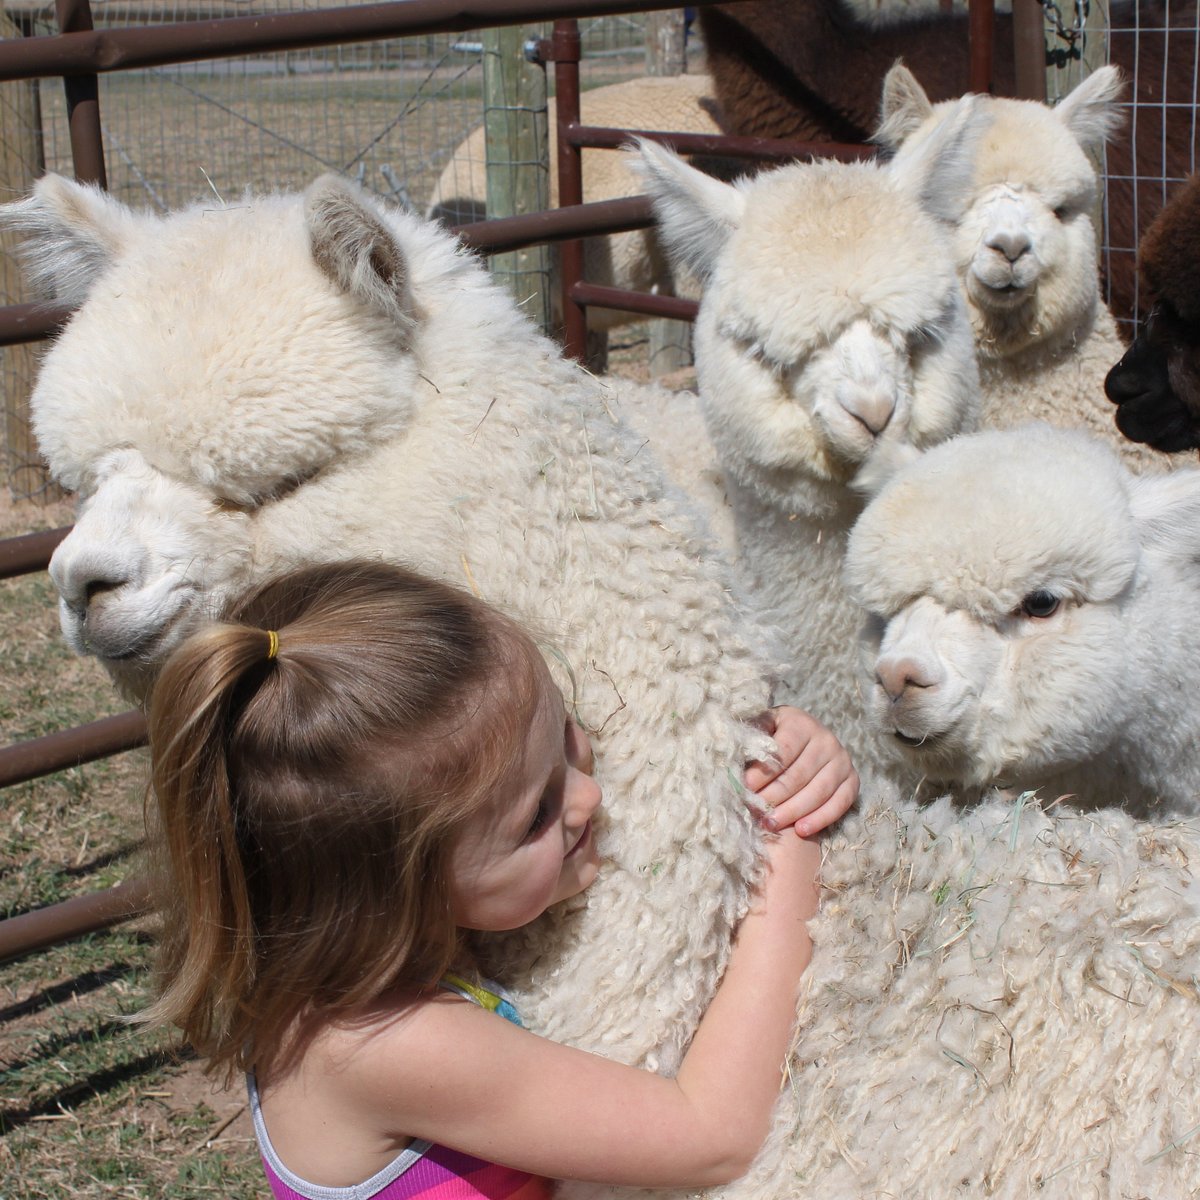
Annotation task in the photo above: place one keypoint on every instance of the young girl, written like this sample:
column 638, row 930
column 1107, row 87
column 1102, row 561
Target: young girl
column 354, row 772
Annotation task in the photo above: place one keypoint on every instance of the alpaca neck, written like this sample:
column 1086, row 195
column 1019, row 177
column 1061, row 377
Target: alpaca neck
column 1024, row 339
column 792, row 563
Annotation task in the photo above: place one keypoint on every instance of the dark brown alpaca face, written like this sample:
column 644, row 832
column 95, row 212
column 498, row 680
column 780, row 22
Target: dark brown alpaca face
column 1156, row 385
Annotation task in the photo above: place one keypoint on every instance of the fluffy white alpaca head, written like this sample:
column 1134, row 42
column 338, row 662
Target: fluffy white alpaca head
column 1016, row 584
column 180, row 319
column 831, row 338
column 1024, row 242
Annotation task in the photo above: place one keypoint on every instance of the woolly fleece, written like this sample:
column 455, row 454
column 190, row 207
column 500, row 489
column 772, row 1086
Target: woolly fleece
column 1169, row 253
column 229, row 409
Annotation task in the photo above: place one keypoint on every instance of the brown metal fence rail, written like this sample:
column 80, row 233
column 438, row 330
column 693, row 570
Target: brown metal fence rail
column 80, row 54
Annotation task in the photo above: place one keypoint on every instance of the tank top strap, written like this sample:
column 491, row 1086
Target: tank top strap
column 484, row 993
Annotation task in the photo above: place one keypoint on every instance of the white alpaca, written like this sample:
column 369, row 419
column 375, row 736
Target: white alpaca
column 1025, row 248
column 831, row 343
column 303, row 378
column 633, row 260
column 288, row 380
column 1033, row 619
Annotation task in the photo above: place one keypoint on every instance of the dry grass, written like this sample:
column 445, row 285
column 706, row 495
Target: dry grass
column 91, row 1106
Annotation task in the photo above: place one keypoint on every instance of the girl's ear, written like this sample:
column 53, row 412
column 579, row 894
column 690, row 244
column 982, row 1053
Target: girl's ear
column 72, row 233
column 1090, row 112
column 696, row 213
column 354, row 247
column 939, row 169
column 903, row 106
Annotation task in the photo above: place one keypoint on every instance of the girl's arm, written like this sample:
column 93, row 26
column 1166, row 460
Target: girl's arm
column 814, row 782
column 455, row 1074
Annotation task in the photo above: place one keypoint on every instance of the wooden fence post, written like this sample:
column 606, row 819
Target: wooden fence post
column 670, row 342
column 517, row 137
column 22, row 160
column 666, row 52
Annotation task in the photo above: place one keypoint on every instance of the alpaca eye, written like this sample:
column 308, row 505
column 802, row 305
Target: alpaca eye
column 1062, row 212
column 1040, row 604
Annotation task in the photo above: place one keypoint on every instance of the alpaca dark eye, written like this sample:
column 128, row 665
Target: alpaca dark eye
column 1040, row 604
column 1062, row 212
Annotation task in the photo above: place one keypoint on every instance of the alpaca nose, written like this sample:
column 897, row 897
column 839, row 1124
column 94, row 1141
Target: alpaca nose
column 81, row 578
column 873, row 406
column 1012, row 243
column 900, row 675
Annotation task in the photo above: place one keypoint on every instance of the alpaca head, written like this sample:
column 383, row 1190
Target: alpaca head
column 221, row 358
column 1014, row 586
column 1156, row 385
column 831, row 338
column 1025, row 245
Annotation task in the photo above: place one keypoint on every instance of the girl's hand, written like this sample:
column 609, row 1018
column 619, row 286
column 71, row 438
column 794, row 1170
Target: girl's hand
column 814, row 783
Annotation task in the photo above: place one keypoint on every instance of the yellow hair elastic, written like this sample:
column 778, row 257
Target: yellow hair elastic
column 272, row 643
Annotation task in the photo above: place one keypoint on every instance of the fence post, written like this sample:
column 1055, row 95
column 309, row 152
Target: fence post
column 666, row 52
column 1029, row 49
column 22, row 160
column 517, row 139
column 670, row 342
column 569, row 169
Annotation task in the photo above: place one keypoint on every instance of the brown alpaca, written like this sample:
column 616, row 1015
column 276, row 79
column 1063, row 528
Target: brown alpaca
column 808, row 69
column 1156, row 385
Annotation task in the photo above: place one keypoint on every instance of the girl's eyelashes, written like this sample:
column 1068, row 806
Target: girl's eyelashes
column 548, row 806
column 540, row 820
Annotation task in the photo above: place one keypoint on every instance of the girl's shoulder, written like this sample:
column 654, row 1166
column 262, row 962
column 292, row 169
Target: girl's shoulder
column 355, row 1093
column 407, row 1036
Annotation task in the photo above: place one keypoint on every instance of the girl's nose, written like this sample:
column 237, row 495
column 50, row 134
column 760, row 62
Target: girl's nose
column 579, row 749
column 585, row 800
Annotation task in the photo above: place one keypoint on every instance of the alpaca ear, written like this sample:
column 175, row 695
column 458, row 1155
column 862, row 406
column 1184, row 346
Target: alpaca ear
column 939, row 169
column 1090, row 112
column 72, row 233
column 1166, row 510
column 903, row 106
column 696, row 213
column 354, row 248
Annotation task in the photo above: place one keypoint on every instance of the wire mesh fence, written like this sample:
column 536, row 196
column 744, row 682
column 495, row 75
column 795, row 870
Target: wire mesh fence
column 389, row 112
column 1157, row 44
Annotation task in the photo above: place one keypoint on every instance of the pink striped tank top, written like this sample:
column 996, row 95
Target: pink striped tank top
column 423, row 1169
